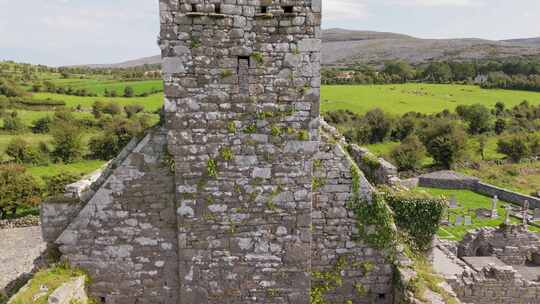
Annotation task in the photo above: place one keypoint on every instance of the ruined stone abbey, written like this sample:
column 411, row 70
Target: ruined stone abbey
column 241, row 195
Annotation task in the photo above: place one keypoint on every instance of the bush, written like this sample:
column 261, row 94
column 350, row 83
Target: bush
column 445, row 141
column 500, row 126
column 67, row 141
column 18, row 189
column 477, row 116
column 379, row 123
column 42, row 125
column 515, row 148
column 112, row 108
column 10, row 89
column 131, row 110
column 417, row 215
column 409, row 154
column 117, row 135
column 23, row 153
column 97, row 108
column 359, row 134
column 13, row 123
column 129, row 92
column 56, row 184
column 104, row 147
column 404, row 127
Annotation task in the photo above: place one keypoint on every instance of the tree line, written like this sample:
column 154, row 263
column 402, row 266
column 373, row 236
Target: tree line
column 444, row 136
column 521, row 73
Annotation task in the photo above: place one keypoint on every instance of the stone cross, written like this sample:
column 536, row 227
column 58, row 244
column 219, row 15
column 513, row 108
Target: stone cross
column 536, row 215
column 453, row 202
column 494, row 213
column 507, row 215
column 525, row 213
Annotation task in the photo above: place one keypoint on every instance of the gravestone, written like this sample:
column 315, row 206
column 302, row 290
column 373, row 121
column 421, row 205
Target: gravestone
column 453, row 202
column 468, row 220
column 494, row 213
column 525, row 213
column 459, row 220
column 507, row 209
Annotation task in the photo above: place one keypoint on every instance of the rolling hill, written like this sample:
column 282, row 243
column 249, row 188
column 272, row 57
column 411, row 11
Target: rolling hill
column 344, row 47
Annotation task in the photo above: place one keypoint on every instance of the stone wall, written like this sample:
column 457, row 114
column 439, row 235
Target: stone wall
column 495, row 285
column 367, row 276
column 512, row 244
column 56, row 214
column 454, row 180
column 222, row 204
column 376, row 169
column 125, row 236
column 506, row 195
column 242, row 82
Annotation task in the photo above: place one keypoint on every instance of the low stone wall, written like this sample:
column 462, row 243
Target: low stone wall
column 512, row 244
column 376, row 169
column 506, row 195
column 455, row 180
column 365, row 272
column 56, row 214
column 495, row 285
column 27, row 221
column 447, row 180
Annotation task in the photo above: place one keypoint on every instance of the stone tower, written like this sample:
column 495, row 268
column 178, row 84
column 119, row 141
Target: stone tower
column 243, row 193
column 242, row 83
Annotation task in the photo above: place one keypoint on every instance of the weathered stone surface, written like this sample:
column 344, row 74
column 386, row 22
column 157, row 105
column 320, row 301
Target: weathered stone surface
column 70, row 292
column 233, row 216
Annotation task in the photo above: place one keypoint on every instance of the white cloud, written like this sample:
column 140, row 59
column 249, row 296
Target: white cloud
column 344, row 9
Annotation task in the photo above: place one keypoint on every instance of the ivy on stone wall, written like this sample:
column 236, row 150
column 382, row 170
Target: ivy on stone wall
column 375, row 222
column 326, row 281
column 418, row 216
column 169, row 162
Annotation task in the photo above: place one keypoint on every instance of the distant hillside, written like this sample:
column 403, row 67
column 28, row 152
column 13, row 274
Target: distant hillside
column 129, row 63
column 529, row 41
column 345, row 47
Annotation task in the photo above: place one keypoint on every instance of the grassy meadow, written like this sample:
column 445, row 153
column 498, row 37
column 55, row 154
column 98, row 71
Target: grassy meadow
column 418, row 97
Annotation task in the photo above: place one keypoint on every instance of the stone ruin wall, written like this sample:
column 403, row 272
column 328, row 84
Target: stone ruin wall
column 495, row 285
column 125, row 236
column 242, row 82
column 367, row 275
column 218, row 206
column 512, row 244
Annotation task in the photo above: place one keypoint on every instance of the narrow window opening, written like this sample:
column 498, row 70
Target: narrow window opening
column 264, row 9
column 194, row 8
column 243, row 60
column 382, row 296
column 288, row 9
column 217, row 7
column 102, row 300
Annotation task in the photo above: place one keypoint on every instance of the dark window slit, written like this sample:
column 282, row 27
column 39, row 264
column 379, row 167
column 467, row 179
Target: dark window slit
column 288, row 9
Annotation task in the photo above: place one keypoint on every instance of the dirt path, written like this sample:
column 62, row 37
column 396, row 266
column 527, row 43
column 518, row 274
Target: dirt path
column 19, row 248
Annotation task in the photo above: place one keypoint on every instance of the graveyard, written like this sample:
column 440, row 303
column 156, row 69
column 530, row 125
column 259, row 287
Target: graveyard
column 469, row 210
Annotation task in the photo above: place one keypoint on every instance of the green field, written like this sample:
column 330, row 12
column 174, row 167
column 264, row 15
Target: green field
column 468, row 201
column 98, row 86
column 424, row 98
column 151, row 103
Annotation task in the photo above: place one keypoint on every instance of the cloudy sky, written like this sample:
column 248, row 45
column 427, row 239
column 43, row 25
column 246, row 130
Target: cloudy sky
column 63, row 32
